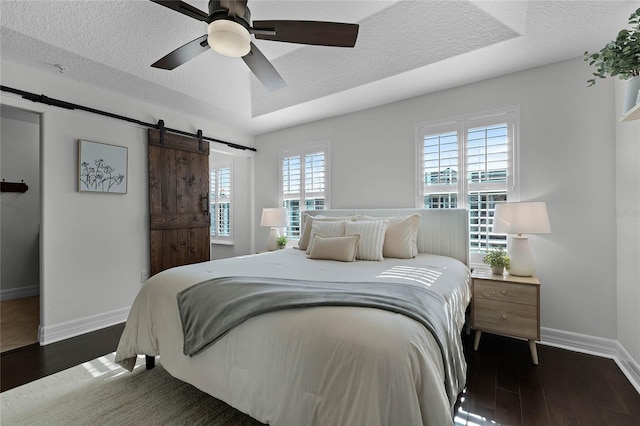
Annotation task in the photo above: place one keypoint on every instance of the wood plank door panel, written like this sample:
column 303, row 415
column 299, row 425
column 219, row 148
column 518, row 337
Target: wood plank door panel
column 178, row 200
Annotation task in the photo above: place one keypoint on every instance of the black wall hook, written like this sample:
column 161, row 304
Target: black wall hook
column 13, row 186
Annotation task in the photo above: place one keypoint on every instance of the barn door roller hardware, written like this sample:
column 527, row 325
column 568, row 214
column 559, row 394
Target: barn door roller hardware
column 199, row 140
column 162, row 130
column 13, row 186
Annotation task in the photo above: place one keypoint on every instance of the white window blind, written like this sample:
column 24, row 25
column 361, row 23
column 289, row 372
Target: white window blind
column 440, row 169
column 303, row 183
column 220, row 198
column 487, row 150
column 468, row 163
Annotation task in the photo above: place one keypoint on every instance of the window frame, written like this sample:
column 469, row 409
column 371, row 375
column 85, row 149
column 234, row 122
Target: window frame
column 216, row 165
column 462, row 188
column 302, row 151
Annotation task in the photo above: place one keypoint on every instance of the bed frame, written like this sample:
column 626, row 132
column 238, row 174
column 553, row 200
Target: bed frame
column 441, row 231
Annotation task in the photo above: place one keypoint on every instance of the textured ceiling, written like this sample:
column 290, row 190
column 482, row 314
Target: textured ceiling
column 404, row 49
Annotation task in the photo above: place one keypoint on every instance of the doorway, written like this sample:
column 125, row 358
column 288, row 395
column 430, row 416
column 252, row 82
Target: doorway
column 20, row 218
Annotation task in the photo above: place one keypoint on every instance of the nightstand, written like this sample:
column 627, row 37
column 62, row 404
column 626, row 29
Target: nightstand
column 508, row 305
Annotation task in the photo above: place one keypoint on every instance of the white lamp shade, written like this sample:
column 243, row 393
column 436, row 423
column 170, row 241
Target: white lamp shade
column 521, row 218
column 229, row 38
column 274, row 217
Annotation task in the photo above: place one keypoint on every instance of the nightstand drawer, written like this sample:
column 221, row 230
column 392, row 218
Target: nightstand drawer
column 505, row 292
column 506, row 318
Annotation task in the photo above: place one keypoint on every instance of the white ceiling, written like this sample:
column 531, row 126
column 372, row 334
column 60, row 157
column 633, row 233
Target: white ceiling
column 404, row 49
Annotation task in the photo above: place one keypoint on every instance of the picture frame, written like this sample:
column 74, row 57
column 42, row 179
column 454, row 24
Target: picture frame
column 102, row 167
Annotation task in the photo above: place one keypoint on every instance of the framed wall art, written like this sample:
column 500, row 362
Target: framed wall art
column 102, row 167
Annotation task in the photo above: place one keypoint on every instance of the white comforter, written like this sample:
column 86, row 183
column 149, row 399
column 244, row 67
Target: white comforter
column 312, row 366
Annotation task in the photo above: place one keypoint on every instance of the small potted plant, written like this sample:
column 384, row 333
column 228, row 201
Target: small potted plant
column 498, row 260
column 621, row 58
column 282, row 241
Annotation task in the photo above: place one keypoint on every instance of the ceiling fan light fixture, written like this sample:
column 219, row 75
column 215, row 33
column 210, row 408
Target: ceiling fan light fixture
column 229, row 38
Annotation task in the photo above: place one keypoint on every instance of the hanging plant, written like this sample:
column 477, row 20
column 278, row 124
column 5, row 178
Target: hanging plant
column 620, row 57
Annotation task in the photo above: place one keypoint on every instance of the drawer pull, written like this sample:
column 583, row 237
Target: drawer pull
column 504, row 292
column 504, row 316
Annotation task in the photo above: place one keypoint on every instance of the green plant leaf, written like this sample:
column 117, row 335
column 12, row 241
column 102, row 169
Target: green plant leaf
column 620, row 57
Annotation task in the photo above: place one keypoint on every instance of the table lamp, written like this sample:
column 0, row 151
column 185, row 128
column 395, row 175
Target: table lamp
column 275, row 218
column 518, row 219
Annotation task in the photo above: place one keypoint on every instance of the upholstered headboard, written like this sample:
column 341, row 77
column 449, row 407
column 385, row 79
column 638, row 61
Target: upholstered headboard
column 441, row 231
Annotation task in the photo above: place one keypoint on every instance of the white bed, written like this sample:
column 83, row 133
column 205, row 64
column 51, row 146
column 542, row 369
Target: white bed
column 323, row 365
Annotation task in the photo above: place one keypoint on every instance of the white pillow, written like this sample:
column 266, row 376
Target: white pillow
column 401, row 238
column 371, row 237
column 325, row 229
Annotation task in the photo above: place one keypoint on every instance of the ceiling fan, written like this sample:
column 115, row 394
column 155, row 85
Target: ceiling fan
column 229, row 33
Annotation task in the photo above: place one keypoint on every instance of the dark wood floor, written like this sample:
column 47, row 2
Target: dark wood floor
column 503, row 386
column 566, row 388
column 24, row 365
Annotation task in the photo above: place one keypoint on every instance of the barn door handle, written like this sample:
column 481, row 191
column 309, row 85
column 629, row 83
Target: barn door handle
column 206, row 203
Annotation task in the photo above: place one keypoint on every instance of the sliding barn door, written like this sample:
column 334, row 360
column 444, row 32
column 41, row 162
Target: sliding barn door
column 178, row 200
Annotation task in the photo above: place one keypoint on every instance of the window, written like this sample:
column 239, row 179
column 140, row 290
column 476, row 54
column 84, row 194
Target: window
column 469, row 163
column 304, row 183
column 220, row 198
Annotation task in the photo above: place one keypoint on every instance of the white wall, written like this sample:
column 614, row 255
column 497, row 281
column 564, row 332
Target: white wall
column 567, row 158
column 20, row 212
column 627, row 217
column 241, row 205
column 94, row 246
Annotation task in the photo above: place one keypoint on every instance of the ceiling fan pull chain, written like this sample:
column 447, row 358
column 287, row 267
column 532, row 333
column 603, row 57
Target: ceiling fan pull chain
column 232, row 10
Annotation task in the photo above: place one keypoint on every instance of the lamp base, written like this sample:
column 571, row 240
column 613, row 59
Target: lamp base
column 272, row 243
column 521, row 258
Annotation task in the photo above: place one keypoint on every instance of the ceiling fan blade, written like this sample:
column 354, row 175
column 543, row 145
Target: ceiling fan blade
column 183, row 54
column 263, row 69
column 185, row 9
column 309, row 32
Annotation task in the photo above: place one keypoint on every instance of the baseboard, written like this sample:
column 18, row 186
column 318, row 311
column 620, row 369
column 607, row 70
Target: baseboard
column 592, row 345
column 66, row 330
column 629, row 367
column 19, row 292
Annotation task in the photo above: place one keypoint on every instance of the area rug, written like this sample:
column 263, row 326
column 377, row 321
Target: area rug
column 100, row 392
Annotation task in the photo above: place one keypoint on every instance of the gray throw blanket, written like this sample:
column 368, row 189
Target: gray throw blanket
column 209, row 309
